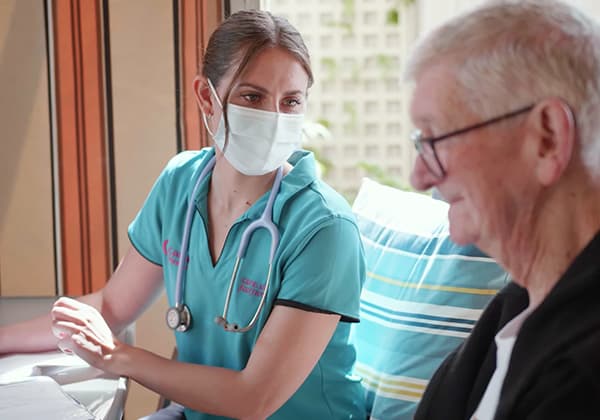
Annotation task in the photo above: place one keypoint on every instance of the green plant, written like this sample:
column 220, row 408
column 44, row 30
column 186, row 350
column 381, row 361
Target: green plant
column 349, row 109
column 330, row 65
column 325, row 164
column 392, row 16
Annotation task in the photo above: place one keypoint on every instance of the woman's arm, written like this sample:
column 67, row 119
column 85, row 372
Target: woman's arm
column 287, row 350
column 288, row 347
column 133, row 286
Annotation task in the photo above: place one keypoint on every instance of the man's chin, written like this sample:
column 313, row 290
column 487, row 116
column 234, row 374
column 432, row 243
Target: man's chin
column 459, row 236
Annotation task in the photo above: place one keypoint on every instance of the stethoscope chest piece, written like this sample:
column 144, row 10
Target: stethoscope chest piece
column 179, row 318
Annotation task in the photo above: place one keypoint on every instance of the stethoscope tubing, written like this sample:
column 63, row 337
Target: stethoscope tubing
column 264, row 221
column 186, row 234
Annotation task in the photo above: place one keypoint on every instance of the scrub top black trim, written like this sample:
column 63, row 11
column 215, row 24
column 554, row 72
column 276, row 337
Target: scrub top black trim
column 297, row 305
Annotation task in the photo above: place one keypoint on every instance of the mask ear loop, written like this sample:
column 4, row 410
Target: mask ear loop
column 206, row 125
column 214, row 92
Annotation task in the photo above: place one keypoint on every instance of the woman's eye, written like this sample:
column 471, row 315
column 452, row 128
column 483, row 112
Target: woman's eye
column 251, row 97
column 292, row 102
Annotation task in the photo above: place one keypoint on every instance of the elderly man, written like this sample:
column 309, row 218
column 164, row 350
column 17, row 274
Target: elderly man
column 507, row 107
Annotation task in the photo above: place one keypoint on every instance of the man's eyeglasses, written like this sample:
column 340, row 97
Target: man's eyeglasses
column 426, row 145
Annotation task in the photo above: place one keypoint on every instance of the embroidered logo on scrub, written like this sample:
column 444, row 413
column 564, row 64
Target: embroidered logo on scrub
column 173, row 255
column 250, row 287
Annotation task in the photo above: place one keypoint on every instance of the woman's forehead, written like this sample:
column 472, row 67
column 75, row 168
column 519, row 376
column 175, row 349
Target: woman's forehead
column 275, row 65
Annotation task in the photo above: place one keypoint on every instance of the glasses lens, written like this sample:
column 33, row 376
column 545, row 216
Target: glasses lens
column 427, row 153
column 415, row 138
column 430, row 159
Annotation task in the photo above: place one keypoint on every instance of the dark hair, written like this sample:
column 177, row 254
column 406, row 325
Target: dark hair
column 243, row 35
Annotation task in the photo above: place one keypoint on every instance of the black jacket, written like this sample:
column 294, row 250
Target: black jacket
column 554, row 370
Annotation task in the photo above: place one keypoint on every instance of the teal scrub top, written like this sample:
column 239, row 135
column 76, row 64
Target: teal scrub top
column 318, row 266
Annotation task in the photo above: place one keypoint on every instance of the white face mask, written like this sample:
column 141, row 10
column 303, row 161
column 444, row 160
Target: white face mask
column 259, row 141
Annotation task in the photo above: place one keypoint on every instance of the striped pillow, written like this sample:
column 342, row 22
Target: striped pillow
column 422, row 295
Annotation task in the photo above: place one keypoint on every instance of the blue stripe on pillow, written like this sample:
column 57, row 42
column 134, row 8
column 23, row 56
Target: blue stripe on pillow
column 421, row 298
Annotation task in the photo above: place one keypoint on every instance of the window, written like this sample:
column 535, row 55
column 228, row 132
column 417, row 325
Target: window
column 370, row 41
column 370, row 62
column 326, row 18
column 350, row 150
column 371, row 107
column 393, row 106
column 348, row 64
column 393, row 129
column 349, row 85
column 328, row 151
column 350, row 172
column 371, row 151
column 303, row 19
column 392, row 85
column 370, row 18
column 327, row 109
column 348, row 41
column 370, row 85
column 348, row 129
column 395, row 171
column 326, row 41
column 392, row 40
column 371, row 129
column 394, row 150
column 327, row 86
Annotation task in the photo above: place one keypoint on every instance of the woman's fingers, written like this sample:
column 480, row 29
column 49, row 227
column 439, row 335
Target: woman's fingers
column 86, row 344
column 62, row 329
column 77, row 344
column 65, row 345
column 68, row 303
column 65, row 313
column 70, row 316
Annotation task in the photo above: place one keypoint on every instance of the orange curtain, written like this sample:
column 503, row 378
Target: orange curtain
column 80, row 124
column 197, row 19
column 82, row 99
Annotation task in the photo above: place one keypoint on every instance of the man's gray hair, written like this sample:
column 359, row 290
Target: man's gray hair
column 511, row 53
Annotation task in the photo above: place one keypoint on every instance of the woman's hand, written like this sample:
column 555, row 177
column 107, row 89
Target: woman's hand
column 82, row 330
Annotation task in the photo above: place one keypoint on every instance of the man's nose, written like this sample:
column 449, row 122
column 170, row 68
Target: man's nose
column 421, row 177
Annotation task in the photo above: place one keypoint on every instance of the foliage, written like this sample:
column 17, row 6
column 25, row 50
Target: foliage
column 385, row 63
column 324, row 122
column 325, row 164
column 392, row 17
column 330, row 65
column 350, row 110
column 348, row 16
column 376, row 173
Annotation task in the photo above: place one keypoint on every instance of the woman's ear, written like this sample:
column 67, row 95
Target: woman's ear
column 203, row 95
column 555, row 134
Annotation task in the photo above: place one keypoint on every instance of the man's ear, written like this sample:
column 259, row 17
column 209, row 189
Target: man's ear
column 203, row 95
column 553, row 128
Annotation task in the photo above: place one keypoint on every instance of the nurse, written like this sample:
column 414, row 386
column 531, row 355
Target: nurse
column 279, row 347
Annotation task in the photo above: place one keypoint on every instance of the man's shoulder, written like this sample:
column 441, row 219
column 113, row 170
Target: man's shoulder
column 583, row 352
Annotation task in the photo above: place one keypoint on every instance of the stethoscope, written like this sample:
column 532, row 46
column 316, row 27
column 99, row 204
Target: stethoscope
column 179, row 317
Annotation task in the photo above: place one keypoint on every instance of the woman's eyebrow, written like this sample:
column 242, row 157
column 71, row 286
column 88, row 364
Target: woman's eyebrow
column 264, row 90
column 250, row 85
